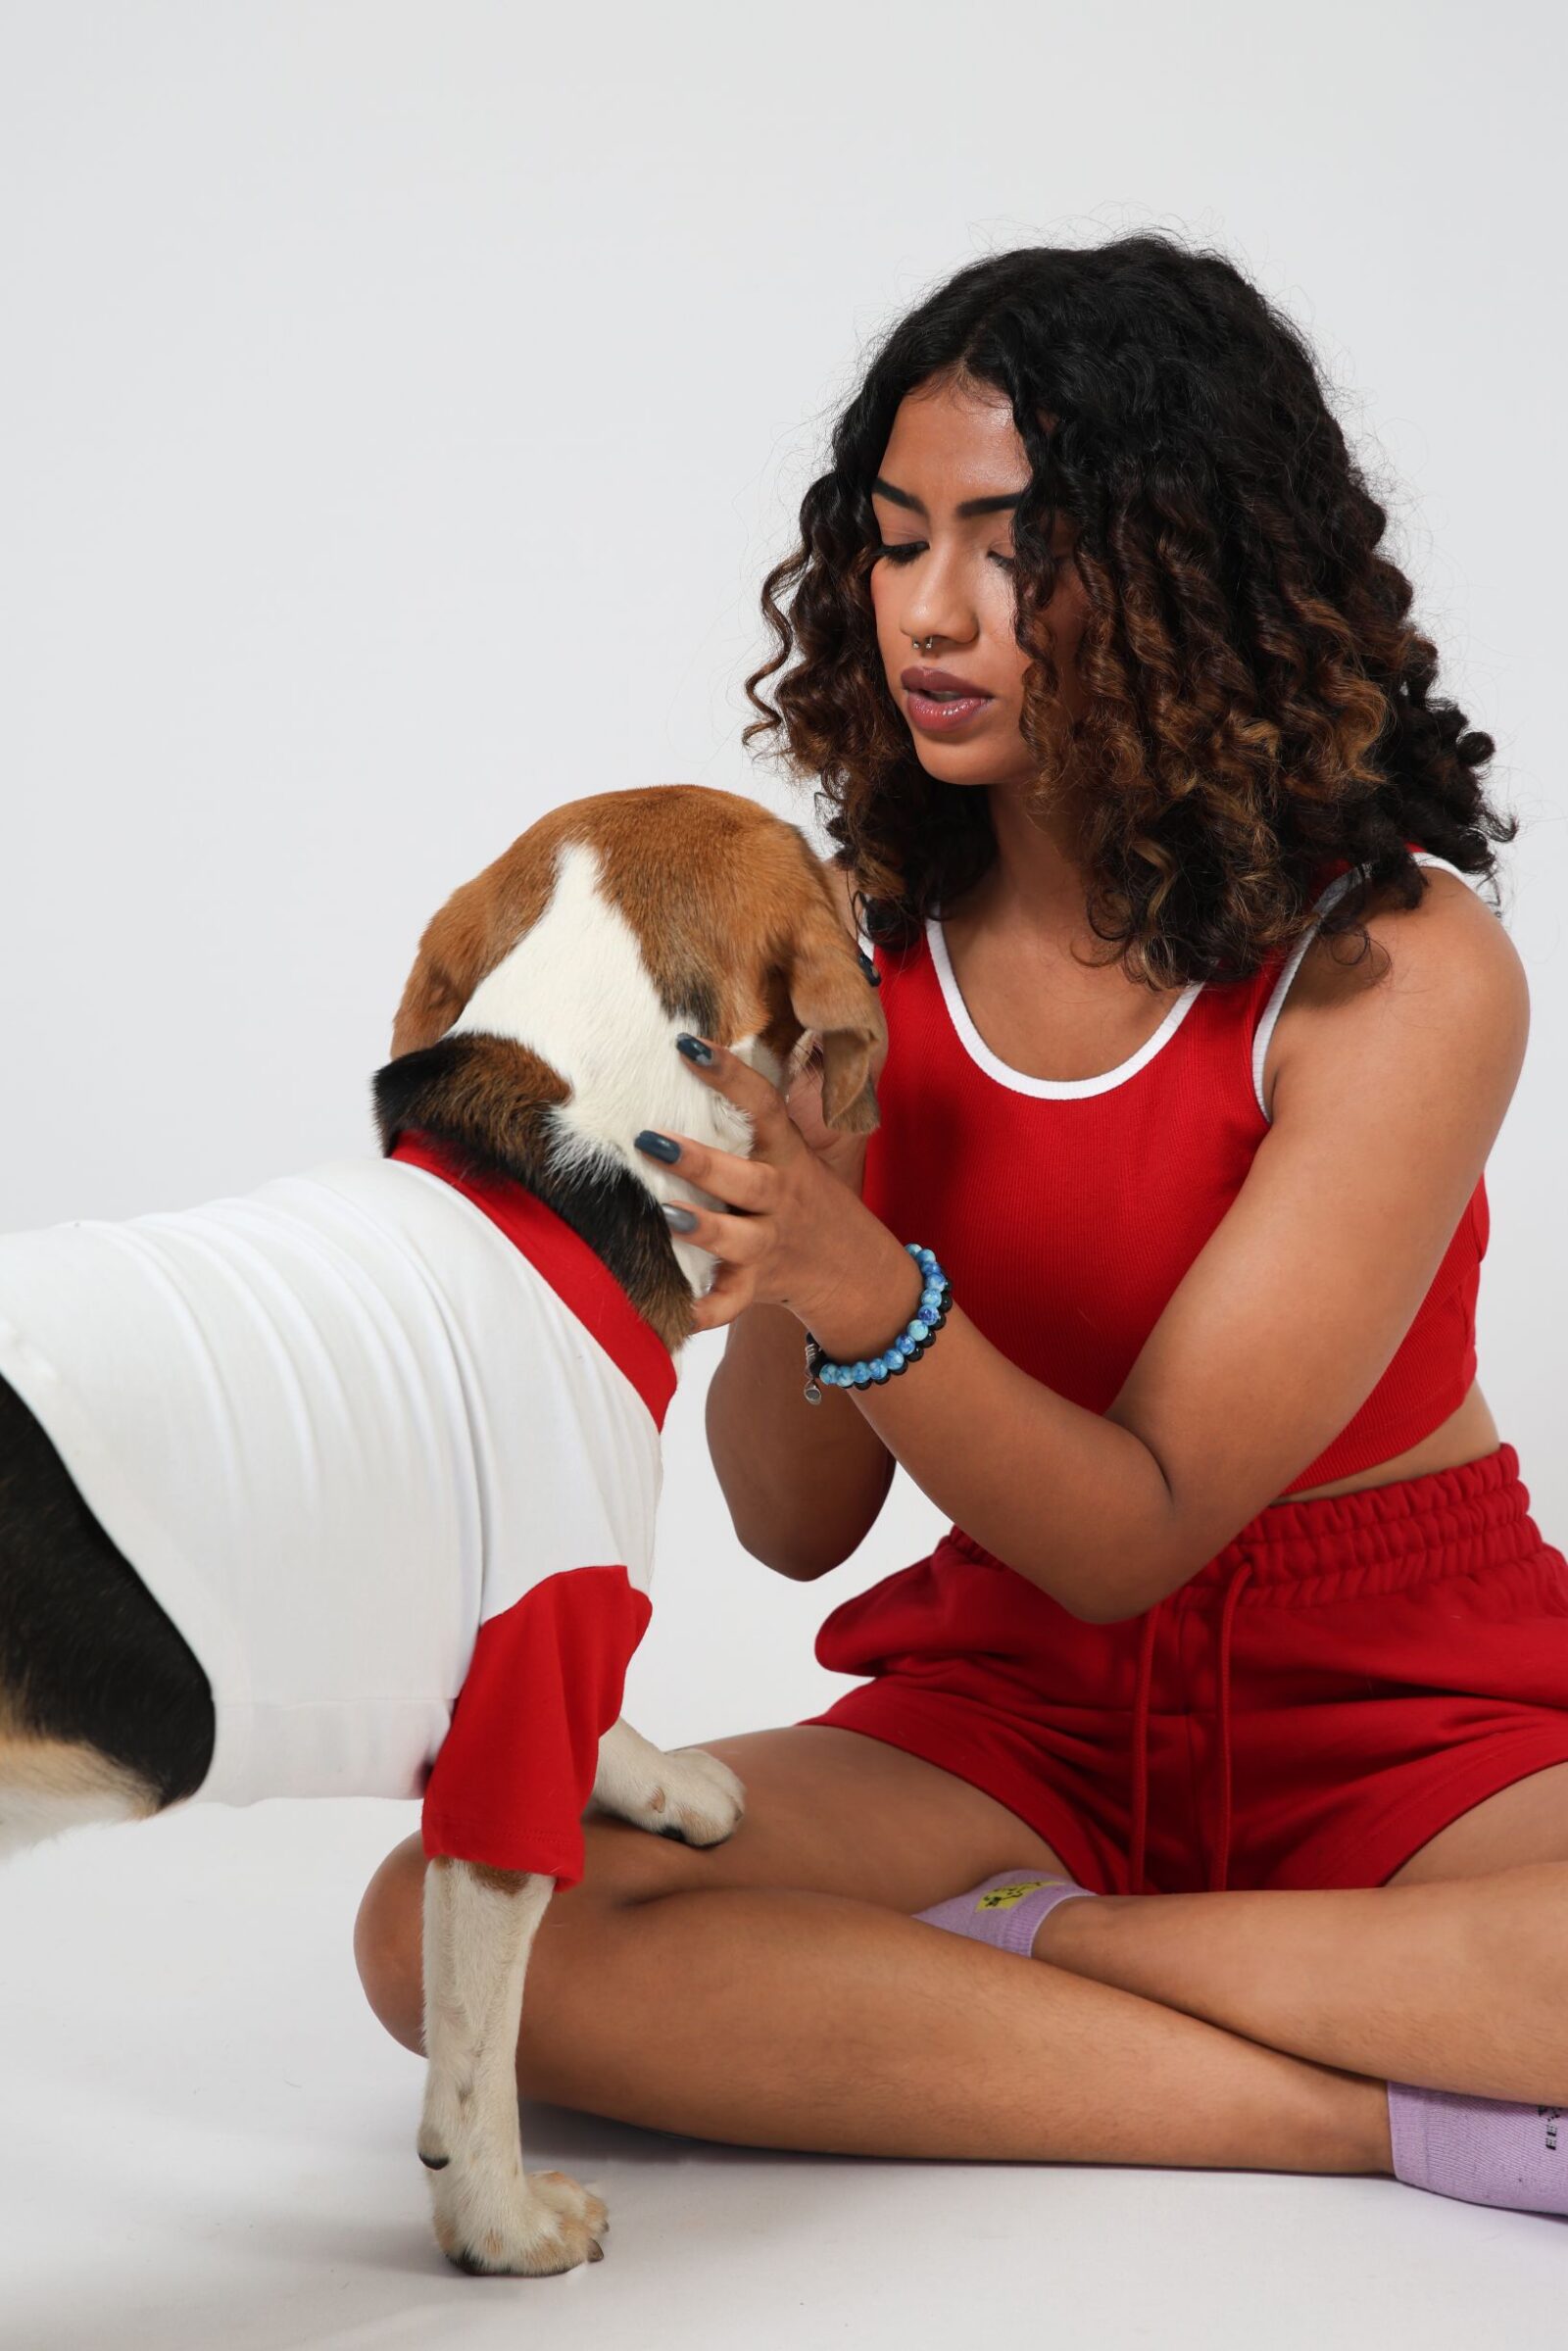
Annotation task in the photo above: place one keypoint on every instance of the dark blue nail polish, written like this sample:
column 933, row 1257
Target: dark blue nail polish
column 657, row 1147
column 693, row 1048
column 681, row 1219
column 869, row 968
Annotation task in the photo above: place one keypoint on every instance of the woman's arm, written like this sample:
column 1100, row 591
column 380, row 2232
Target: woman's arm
column 1385, row 1105
column 804, row 1484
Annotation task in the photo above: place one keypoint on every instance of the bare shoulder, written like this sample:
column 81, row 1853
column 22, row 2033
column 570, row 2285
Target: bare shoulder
column 1442, row 976
column 1394, row 1075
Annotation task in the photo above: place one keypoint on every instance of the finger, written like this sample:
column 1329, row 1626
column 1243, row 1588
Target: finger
column 730, row 1294
column 738, row 1083
column 735, row 1240
column 739, row 1183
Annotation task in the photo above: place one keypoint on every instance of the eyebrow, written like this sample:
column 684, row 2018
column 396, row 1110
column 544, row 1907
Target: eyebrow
column 971, row 506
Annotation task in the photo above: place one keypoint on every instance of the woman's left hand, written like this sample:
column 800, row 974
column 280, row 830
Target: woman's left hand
column 789, row 1227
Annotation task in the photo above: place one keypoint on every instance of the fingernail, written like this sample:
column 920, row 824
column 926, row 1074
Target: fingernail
column 681, row 1219
column 869, row 968
column 657, row 1147
column 693, row 1048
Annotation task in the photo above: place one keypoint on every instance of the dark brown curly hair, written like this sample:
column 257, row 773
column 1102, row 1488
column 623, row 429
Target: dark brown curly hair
column 1258, row 701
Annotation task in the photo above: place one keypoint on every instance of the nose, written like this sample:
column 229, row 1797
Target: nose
column 939, row 611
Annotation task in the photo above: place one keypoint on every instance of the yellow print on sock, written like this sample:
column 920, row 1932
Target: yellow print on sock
column 1003, row 1897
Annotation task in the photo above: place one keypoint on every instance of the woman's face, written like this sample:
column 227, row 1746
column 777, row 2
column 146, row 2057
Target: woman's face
column 946, row 575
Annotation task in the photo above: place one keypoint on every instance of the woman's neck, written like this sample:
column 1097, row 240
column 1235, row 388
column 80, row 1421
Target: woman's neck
column 1036, row 883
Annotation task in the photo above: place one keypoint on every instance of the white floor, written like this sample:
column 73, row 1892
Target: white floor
column 208, row 2142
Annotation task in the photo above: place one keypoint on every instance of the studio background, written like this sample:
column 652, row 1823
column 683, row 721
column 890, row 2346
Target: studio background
column 401, row 406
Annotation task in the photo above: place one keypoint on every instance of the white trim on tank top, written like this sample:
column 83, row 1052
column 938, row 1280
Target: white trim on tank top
column 1058, row 1089
column 1282, row 986
column 1071, row 1089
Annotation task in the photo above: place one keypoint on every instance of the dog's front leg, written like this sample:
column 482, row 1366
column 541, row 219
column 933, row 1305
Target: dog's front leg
column 686, row 1793
column 490, row 2214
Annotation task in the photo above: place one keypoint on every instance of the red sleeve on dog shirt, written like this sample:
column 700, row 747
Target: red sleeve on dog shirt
column 517, row 1766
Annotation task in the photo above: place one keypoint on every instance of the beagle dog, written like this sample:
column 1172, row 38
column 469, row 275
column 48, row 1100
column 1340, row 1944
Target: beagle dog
column 346, row 1485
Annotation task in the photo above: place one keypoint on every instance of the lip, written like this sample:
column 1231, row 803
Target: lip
column 939, row 682
column 933, row 718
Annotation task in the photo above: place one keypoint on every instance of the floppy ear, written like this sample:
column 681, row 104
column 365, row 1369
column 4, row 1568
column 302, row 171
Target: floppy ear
column 829, row 991
column 452, row 958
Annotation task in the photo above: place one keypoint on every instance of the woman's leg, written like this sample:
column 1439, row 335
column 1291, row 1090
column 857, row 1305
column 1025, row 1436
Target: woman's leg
column 777, row 1992
column 1446, row 1977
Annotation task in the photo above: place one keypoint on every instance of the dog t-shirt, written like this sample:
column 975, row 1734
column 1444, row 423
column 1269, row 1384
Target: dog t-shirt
column 382, row 1440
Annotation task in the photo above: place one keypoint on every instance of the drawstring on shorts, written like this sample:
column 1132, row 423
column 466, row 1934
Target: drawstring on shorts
column 1274, row 1742
column 1137, row 1840
column 1140, row 1771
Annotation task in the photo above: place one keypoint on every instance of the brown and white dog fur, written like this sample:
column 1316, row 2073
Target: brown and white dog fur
column 536, row 1033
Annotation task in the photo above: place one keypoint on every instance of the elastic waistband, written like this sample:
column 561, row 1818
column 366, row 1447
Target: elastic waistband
column 1447, row 1522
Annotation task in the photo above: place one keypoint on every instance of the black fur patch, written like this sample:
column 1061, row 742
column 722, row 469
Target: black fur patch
column 694, row 1002
column 483, row 1097
column 86, row 1654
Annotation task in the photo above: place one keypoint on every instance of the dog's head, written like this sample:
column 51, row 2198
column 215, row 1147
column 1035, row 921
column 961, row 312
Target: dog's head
column 711, row 908
column 537, row 1029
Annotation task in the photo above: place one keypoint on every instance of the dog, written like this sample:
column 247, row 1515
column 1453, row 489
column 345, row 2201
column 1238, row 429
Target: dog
column 346, row 1485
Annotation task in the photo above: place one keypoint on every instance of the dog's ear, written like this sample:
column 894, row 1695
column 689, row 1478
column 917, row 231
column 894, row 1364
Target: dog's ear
column 830, row 993
column 453, row 959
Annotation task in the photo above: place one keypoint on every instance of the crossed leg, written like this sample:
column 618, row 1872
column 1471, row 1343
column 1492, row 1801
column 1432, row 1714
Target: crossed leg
column 1450, row 1977
column 776, row 1990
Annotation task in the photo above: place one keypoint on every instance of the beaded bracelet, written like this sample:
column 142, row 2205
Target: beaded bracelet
column 936, row 1296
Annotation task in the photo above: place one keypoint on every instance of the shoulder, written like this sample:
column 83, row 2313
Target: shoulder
column 1440, row 991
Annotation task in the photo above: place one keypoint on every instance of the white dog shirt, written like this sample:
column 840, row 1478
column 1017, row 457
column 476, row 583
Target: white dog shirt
column 372, row 1436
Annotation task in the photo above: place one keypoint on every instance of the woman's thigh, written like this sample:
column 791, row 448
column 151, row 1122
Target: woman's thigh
column 827, row 1811
column 1527, row 1822
column 832, row 1811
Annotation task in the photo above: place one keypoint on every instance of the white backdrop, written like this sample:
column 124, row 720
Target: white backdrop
column 400, row 406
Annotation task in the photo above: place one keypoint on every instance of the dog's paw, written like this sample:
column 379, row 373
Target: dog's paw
column 491, row 2227
column 697, row 1799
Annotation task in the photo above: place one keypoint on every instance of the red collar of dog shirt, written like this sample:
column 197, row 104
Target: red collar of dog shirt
column 577, row 1273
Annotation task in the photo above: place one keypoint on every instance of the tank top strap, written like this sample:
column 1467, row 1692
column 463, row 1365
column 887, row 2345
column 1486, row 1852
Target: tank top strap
column 1331, row 881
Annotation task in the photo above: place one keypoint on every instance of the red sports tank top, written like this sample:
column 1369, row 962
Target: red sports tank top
column 1068, row 1210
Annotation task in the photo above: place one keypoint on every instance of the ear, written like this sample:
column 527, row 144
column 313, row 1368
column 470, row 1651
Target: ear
column 452, row 958
column 829, row 991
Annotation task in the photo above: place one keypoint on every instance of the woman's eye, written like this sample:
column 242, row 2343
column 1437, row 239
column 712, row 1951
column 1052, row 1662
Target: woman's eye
column 904, row 550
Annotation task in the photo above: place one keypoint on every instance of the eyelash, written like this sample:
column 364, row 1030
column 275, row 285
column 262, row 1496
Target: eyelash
column 905, row 549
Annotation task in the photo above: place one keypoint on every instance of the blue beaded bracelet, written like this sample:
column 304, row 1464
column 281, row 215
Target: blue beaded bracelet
column 936, row 1296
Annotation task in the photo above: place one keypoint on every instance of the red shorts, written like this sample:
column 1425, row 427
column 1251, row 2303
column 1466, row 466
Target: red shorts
column 1346, row 1678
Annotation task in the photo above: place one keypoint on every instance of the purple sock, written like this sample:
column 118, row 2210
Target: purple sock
column 1006, row 1910
column 1480, row 2149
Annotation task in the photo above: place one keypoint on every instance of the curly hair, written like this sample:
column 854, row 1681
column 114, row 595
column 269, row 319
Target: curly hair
column 1257, row 702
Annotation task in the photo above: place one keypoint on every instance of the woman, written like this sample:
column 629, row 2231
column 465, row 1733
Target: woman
column 1244, row 1627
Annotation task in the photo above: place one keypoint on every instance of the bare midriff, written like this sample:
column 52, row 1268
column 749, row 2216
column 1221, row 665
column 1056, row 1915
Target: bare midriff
column 1466, row 1435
